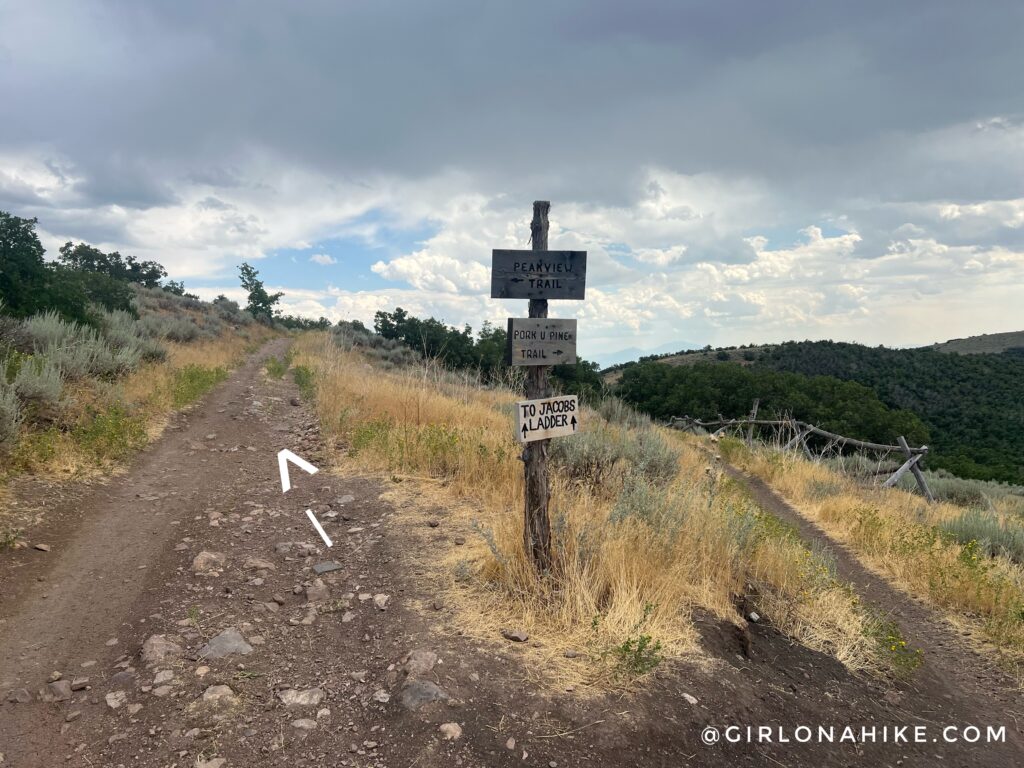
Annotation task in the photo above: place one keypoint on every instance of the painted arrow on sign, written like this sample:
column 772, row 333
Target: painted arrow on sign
column 283, row 457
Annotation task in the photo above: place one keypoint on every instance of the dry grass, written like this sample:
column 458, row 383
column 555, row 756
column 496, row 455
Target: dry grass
column 104, row 422
column 898, row 535
column 635, row 558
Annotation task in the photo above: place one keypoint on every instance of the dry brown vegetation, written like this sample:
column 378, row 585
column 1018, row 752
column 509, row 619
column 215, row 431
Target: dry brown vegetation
column 903, row 538
column 647, row 534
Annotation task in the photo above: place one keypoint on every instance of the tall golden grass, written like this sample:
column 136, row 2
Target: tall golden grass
column 625, row 570
column 896, row 533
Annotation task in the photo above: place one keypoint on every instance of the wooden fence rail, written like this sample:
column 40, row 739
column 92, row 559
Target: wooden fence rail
column 912, row 456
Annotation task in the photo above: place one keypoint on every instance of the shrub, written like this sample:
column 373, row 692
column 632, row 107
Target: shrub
column 617, row 411
column 181, row 329
column 39, row 383
column 587, row 457
column 10, row 417
column 642, row 500
column 48, row 329
column 12, row 335
column 653, row 457
column 987, row 533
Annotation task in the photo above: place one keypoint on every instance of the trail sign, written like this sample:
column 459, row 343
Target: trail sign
column 538, row 274
column 547, row 417
column 540, row 341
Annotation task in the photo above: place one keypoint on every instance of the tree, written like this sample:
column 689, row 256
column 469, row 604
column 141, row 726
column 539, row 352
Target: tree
column 174, row 287
column 124, row 268
column 261, row 304
column 23, row 273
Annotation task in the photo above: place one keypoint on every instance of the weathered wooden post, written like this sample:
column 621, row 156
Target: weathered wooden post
column 915, row 469
column 537, row 528
column 750, row 427
column 537, row 275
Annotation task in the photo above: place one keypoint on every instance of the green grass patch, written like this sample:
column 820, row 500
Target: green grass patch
column 275, row 368
column 111, row 434
column 305, row 381
column 901, row 657
column 194, row 381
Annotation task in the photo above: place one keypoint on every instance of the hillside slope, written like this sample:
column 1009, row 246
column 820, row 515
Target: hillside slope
column 972, row 404
column 986, row 343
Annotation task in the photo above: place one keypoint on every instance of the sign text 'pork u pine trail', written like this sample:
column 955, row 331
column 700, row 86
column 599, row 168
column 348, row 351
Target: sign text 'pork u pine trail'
column 540, row 341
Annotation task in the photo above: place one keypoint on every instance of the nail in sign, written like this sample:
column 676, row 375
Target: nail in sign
column 547, row 417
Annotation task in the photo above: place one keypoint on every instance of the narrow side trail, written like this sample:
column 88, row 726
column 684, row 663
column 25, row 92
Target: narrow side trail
column 956, row 684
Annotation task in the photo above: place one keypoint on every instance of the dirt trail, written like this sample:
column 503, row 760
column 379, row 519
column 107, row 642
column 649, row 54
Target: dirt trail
column 955, row 682
column 319, row 671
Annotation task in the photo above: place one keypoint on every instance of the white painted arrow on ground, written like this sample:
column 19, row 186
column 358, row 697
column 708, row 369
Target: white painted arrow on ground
column 319, row 528
column 283, row 457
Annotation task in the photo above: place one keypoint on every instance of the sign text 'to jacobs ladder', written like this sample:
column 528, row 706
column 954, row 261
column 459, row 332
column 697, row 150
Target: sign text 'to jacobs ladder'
column 538, row 343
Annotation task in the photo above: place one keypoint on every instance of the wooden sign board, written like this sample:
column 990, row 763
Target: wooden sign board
column 540, row 341
column 538, row 274
column 548, row 417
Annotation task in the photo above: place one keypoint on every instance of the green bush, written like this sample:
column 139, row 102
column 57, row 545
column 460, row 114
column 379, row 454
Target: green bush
column 194, row 381
column 642, row 500
column 10, row 417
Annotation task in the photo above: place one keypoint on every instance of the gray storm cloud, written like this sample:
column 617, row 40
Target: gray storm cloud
column 867, row 117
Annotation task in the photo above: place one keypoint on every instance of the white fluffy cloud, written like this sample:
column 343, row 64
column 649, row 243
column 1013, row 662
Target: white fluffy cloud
column 323, row 259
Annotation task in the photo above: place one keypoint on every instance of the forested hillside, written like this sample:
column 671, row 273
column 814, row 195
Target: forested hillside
column 706, row 390
column 972, row 404
column 968, row 407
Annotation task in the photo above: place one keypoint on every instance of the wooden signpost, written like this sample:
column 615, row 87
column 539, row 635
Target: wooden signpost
column 539, row 275
column 541, row 341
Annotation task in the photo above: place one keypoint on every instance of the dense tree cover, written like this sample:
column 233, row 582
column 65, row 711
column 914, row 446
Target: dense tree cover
column 459, row 348
column 261, row 304
column 972, row 404
column 455, row 347
column 124, row 268
column 84, row 276
column 302, row 323
column 707, row 390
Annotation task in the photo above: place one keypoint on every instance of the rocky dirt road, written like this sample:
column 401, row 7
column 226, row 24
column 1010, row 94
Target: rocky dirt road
column 187, row 615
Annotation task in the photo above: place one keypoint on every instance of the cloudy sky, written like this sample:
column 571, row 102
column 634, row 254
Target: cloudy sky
column 738, row 171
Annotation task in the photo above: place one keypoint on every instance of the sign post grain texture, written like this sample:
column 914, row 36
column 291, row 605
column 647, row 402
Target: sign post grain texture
column 538, row 274
column 541, row 341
